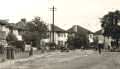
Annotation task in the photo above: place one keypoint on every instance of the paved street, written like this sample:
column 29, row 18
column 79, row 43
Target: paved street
column 71, row 60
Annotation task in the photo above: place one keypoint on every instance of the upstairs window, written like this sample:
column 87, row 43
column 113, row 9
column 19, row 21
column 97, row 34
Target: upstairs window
column 60, row 35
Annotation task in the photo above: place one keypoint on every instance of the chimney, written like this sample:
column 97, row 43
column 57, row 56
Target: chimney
column 75, row 29
column 23, row 20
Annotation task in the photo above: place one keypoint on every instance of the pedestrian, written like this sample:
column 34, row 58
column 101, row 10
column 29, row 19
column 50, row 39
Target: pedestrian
column 31, row 51
column 11, row 40
column 96, row 43
column 99, row 48
column 100, row 44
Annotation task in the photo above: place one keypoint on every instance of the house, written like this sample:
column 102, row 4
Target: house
column 106, row 40
column 78, row 29
column 60, row 35
column 12, row 26
column 3, row 32
column 3, row 27
column 99, row 35
column 18, row 30
column 21, row 26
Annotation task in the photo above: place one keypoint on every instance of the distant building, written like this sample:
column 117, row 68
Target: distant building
column 3, row 28
column 106, row 40
column 21, row 26
column 99, row 35
column 3, row 32
column 78, row 29
column 60, row 35
column 12, row 26
column 18, row 28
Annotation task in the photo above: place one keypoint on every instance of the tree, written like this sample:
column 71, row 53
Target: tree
column 78, row 40
column 70, row 41
column 37, row 30
column 110, row 24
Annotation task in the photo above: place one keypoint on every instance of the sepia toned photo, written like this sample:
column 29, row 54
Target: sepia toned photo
column 60, row 34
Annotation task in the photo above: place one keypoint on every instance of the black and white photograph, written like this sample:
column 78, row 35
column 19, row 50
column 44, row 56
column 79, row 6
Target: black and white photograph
column 60, row 34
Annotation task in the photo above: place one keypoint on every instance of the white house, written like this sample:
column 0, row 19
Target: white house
column 3, row 32
column 60, row 35
column 3, row 27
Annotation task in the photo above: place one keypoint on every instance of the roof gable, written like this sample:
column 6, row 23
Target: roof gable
column 79, row 29
column 99, row 32
column 21, row 25
column 56, row 28
column 3, row 22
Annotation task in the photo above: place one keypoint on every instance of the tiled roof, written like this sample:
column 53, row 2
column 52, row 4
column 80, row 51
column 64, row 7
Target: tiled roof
column 14, row 26
column 77, row 28
column 21, row 25
column 11, row 25
column 57, row 29
column 3, row 22
column 98, row 32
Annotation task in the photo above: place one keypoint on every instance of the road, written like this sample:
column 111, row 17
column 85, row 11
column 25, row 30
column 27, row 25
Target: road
column 72, row 60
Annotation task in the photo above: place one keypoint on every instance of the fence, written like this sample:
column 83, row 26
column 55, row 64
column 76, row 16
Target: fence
column 16, row 53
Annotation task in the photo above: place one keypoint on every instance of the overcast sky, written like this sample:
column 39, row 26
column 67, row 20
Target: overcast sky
column 85, row 13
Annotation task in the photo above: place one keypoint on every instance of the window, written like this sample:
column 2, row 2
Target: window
column 60, row 34
column 60, row 43
column 64, row 35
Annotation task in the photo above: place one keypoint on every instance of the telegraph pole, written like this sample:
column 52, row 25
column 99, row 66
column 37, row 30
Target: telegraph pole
column 53, row 9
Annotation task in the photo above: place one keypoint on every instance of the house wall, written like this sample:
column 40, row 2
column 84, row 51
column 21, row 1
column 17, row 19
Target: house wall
column 4, row 28
column 16, row 32
column 59, row 38
column 3, row 33
column 90, row 37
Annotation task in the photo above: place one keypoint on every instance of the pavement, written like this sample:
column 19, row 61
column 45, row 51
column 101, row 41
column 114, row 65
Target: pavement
column 44, row 60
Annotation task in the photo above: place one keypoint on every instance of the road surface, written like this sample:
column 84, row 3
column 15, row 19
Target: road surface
column 72, row 60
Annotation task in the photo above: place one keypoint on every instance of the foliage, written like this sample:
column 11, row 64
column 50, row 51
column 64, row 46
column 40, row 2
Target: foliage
column 110, row 24
column 78, row 40
column 37, row 30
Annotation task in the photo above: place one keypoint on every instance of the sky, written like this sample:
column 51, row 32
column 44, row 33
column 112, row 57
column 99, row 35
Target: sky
column 86, row 13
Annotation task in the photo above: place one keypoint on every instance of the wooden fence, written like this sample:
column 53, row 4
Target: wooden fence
column 16, row 53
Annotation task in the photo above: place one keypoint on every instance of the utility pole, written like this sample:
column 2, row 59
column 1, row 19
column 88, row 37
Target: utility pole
column 53, row 9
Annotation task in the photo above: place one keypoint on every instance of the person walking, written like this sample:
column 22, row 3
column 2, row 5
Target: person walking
column 100, row 44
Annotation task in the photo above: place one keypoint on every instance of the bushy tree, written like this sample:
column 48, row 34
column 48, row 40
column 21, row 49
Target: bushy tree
column 78, row 40
column 37, row 30
column 110, row 24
